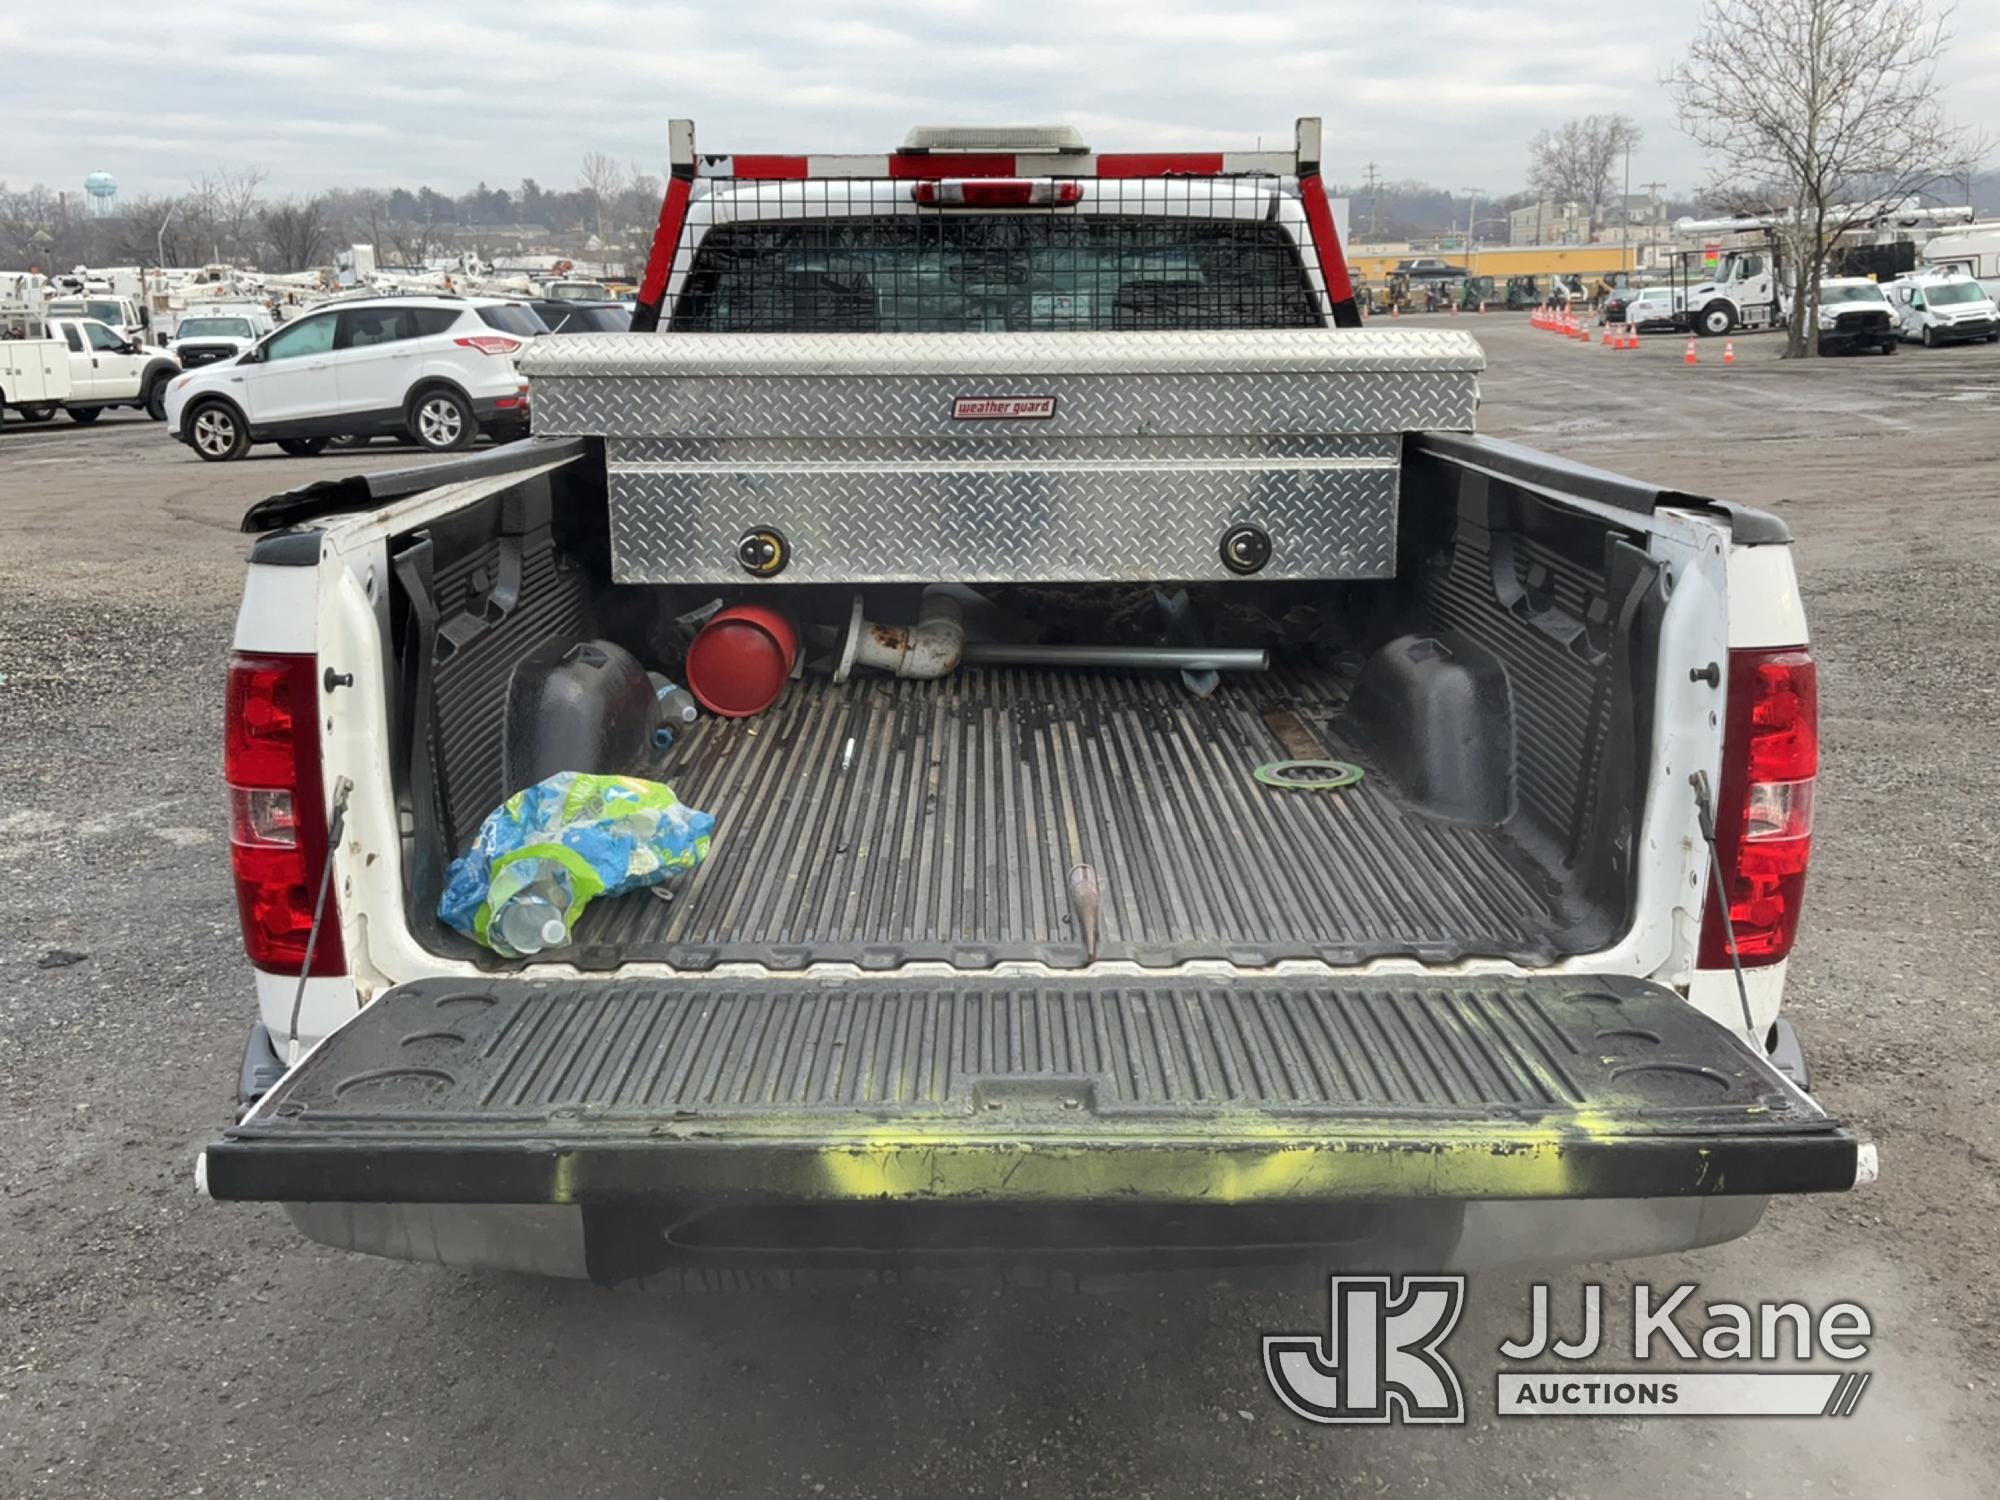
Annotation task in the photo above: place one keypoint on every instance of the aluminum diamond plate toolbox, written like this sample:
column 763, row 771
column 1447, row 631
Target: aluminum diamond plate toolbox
column 994, row 457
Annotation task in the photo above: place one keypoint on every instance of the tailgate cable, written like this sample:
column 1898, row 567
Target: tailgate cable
column 1704, row 808
column 333, row 831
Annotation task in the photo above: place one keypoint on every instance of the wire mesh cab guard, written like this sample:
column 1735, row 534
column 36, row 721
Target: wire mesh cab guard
column 707, row 192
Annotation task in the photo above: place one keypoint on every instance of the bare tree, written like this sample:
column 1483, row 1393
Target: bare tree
column 151, row 227
column 1833, row 103
column 413, row 242
column 1573, row 163
column 36, row 231
column 358, row 216
column 295, row 229
column 603, row 179
column 233, row 204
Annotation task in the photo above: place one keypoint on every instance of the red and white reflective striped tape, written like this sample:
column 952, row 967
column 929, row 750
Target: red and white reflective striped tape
column 932, row 166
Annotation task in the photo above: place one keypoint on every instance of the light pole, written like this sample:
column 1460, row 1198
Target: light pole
column 1471, row 227
column 1625, row 216
column 160, row 240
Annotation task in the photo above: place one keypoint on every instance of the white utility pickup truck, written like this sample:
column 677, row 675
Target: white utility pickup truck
column 82, row 367
column 108, row 369
column 34, row 368
column 1184, row 800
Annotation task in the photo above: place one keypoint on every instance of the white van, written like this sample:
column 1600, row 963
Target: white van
column 1943, row 308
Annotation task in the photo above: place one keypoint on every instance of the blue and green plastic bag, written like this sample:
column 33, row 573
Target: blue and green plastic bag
column 606, row 835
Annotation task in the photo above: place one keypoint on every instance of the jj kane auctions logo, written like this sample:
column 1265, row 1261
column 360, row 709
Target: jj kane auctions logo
column 1382, row 1358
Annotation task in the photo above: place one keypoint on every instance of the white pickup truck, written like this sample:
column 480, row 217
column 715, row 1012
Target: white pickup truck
column 1215, row 809
column 208, row 335
column 82, row 367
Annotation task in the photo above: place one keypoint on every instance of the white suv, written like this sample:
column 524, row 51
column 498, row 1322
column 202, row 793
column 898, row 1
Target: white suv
column 436, row 369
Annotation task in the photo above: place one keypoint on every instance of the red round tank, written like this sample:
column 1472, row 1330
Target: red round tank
column 738, row 664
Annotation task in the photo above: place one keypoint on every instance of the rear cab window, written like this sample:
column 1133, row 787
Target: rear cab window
column 967, row 273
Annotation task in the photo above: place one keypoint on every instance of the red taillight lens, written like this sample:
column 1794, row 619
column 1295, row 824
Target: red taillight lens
column 1764, row 807
column 277, row 817
column 986, row 193
column 260, row 720
column 489, row 343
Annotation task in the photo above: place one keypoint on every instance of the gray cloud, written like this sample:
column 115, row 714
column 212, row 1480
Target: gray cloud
column 393, row 92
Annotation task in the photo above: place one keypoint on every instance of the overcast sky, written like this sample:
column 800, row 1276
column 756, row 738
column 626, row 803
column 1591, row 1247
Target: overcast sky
column 401, row 92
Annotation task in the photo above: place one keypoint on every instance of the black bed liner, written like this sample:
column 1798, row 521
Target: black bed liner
column 950, row 833
column 1015, row 1090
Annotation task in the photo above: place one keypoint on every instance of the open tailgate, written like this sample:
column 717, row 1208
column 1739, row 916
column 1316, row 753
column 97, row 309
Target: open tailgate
column 1181, row 1090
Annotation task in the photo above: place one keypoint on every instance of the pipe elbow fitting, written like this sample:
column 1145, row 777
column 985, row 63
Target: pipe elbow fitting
column 931, row 648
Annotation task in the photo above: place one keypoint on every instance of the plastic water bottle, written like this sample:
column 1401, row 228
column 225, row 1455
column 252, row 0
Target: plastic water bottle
column 677, row 704
column 675, row 707
column 532, row 918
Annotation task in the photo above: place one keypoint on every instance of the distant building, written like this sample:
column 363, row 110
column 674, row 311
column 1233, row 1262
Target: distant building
column 1547, row 223
column 1636, row 211
column 1637, row 217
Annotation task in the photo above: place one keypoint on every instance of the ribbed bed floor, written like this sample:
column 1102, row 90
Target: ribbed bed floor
column 951, row 831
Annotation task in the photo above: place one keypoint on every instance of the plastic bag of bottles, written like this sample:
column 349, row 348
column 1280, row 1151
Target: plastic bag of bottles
column 546, row 853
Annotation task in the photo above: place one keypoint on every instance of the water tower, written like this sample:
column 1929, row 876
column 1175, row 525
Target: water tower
column 103, row 190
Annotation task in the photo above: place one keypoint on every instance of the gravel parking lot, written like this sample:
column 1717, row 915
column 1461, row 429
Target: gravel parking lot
column 153, row 1343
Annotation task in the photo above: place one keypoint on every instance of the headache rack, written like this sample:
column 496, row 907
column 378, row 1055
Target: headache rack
column 1203, row 226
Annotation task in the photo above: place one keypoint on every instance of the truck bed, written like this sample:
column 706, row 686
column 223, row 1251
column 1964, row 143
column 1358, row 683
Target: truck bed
column 950, row 833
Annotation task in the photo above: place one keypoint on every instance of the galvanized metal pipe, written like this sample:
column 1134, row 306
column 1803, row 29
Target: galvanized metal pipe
column 1162, row 658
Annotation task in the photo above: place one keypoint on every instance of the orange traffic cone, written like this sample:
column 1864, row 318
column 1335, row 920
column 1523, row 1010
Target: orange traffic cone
column 1609, row 329
column 1482, row 307
column 1631, row 337
column 1729, row 352
column 1689, row 358
column 1454, row 309
column 1395, row 309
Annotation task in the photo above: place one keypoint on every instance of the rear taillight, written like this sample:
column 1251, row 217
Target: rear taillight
column 1017, row 193
column 277, row 812
column 489, row 343
column 1764, row 807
